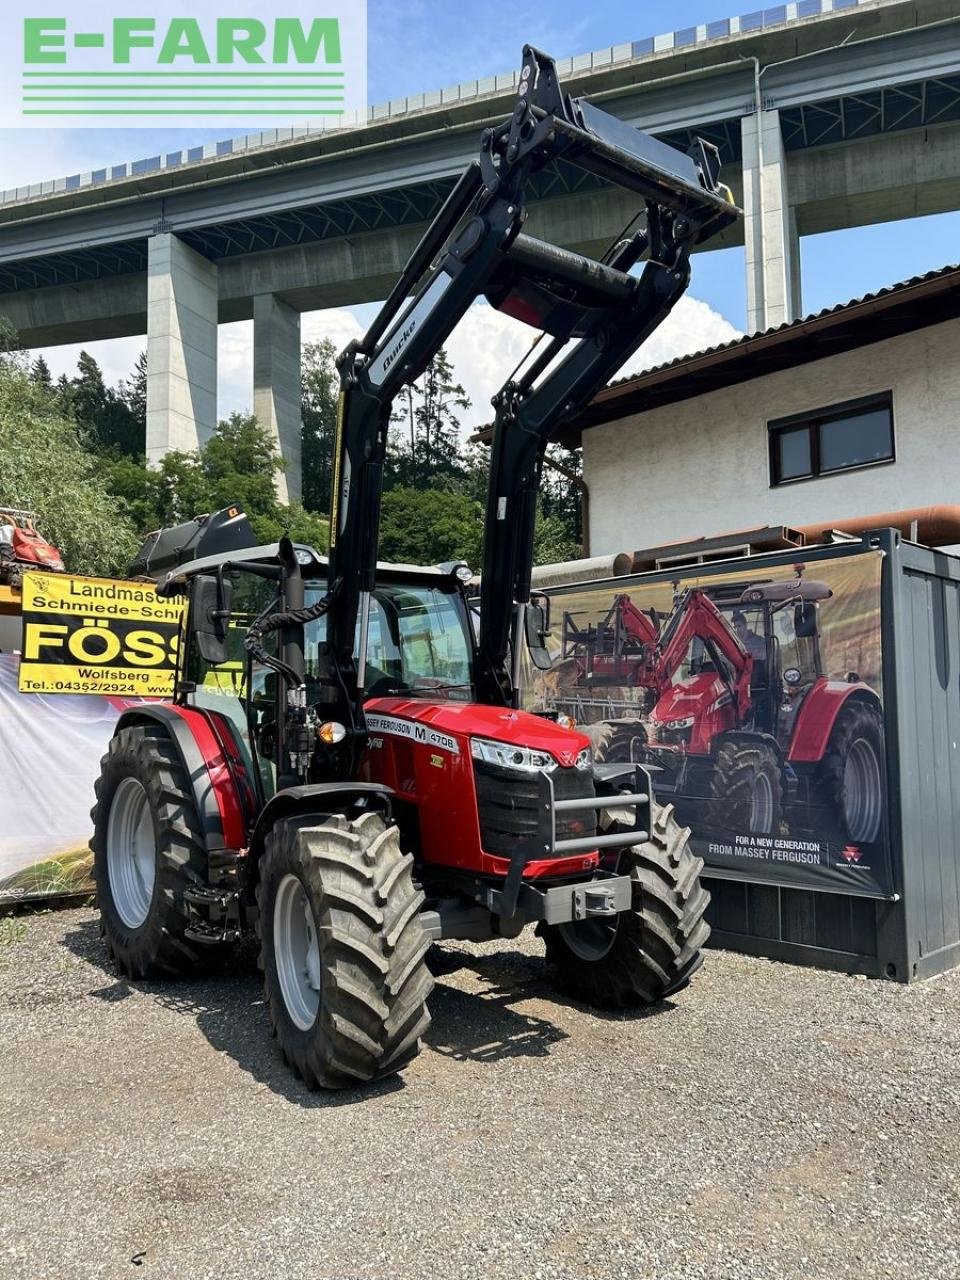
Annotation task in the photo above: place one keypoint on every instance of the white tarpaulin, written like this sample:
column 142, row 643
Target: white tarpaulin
column 50, row 749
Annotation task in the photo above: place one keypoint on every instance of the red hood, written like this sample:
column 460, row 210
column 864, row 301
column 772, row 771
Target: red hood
column 475, row 720
column 688, row 698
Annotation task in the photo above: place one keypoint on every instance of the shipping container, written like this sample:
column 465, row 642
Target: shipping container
column 801, row 709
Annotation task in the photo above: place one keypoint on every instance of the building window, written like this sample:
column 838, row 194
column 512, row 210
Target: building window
column 839, row 438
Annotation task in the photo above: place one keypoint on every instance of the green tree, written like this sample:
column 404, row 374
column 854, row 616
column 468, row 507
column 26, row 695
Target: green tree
column 101, row 412
column 428, row 526
column 47, row 468
column 320, row 388
column 40, row 372
column 133, row 394
column 425, row 436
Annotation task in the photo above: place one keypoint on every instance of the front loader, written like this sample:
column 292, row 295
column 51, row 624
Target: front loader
column 345, row 768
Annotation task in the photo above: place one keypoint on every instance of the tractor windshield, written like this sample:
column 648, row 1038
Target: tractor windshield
column 417, row 644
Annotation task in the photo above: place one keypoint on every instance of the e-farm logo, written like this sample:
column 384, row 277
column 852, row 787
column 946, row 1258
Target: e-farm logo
column 84, row 66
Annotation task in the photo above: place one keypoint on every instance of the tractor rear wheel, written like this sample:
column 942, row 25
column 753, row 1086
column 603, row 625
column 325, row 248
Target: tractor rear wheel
column 851, row 775
column 650, row 951
column 147, row 849
column 342, row 948
column 747, row 788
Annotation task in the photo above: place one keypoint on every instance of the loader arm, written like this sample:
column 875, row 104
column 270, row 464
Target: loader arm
column 696, row 617
column 475, row 248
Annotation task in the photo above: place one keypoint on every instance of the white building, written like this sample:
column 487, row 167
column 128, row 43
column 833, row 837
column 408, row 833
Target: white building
column 849, row 412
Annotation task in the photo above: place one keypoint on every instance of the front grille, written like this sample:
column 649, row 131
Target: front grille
column 508, row 802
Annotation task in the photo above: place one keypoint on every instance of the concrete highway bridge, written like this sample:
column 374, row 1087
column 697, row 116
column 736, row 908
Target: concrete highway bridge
column 827, row 113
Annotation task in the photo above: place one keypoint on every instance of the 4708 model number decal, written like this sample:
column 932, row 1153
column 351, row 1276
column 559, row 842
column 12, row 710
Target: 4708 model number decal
column 415, row 732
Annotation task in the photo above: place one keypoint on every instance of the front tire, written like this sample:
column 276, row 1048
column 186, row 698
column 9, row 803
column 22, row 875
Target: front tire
column 650, row 951
column 747, row 789
column 147, row 850
column 620, row 742
column 343, row 950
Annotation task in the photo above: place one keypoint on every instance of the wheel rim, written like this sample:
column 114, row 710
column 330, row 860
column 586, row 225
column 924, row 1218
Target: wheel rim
column 761, row 805
column 131, row 853
column 590, row 939
column 297, row 952
column 862, row 803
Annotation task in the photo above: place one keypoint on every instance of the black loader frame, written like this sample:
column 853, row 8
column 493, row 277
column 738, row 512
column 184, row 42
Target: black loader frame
column 475, row 247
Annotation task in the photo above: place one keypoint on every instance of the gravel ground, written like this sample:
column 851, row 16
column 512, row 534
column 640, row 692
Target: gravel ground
column 768, row 1122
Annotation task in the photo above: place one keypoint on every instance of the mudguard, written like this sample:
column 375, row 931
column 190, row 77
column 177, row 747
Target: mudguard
column 323, row 797
column 818, row 715
column 206, row 766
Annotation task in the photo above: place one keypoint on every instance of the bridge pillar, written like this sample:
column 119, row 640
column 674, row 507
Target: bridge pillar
column 276, row 384
column 182, row 298
column 769, row 228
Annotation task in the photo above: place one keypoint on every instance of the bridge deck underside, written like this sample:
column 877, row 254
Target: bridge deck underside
column 847, row 119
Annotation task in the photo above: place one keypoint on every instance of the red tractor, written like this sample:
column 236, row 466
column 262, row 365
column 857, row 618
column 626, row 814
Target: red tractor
column 344, row 768
column 742, row 722
column 22, row 547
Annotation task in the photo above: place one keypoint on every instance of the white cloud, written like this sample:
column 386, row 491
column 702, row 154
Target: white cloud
column 483, row 350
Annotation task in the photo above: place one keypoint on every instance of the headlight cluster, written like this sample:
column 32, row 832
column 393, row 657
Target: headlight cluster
column 507, row 756
column 685, row 723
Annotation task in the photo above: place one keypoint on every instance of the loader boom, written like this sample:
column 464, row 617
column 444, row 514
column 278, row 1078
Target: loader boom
column 475, row 248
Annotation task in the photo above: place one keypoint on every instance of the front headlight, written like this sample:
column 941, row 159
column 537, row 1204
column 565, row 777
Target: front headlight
column 685, row 723
column 507, row 756
column 585, row 759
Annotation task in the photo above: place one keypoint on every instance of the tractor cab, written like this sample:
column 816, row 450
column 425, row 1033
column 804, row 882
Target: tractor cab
column 778, row 623
column 419, row 644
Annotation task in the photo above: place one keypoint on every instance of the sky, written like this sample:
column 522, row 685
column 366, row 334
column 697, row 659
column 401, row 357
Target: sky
column 427, row 44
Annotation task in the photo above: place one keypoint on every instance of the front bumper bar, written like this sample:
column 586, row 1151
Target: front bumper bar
column 627, row 790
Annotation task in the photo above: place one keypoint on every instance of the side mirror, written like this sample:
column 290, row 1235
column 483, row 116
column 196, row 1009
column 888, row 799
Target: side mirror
column 210, row 601
column 805, row 619
column 536, row 625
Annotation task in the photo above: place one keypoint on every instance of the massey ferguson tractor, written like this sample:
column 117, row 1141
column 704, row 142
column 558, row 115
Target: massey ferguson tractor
column 344, row 768
column 740, row 720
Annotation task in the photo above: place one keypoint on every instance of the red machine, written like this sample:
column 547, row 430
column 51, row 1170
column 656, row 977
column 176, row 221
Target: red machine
column 345, row 769
column 22, row 547
column 745, row 717
column 617, row 650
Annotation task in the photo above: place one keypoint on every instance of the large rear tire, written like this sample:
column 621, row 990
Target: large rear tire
column 343, row 950
column 147, row 849
column 650, row 951
column 850, row 782
column 747, row 788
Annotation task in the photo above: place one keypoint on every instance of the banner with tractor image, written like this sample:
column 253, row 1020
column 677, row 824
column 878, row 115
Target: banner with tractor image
column 755, row 696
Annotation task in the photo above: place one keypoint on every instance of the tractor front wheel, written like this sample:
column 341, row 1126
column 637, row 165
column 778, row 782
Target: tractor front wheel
column 343, row 950
column 650, row 951
column 747, row 788
column 147, row 850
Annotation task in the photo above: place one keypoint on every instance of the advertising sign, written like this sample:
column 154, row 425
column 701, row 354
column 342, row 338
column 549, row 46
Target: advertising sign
column 97, row 636
column 75, row 64
column 756, row 698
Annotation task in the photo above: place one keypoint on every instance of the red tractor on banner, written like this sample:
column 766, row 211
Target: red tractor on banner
column 737, row 712
column 345, row 770
column 22, row 547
